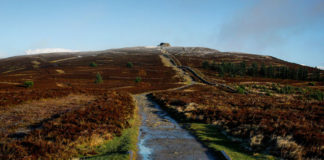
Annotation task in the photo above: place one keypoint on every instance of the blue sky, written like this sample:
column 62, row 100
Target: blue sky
column 292, row 30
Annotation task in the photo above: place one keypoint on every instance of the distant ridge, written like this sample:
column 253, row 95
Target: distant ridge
column 208, row 53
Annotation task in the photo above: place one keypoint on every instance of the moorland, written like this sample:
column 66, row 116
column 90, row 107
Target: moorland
column 68, row 105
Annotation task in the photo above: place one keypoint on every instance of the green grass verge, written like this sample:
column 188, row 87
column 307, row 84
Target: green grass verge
column 118, row 148
column 212, row 137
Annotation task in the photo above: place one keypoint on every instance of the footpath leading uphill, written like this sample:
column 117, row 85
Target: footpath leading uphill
column 161, row 137
column 178, row 64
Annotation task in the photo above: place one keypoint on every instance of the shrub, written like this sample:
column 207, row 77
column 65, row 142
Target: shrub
column 98, row 78
column 289, row 149
column 178, row 103
column 93, row 64
column 264, row 89
column 129, row 65
column 138, row 79
column 28, row 84
column 275, row 87
column 300, row 90
column 286, row 90
column 311, row 84
column 256, row 141
column 315, row 94
column 64, row 137
column 240, row 89
column 205, row 65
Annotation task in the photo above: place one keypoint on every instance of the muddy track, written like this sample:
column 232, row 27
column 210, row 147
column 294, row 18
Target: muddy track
column 161, row 137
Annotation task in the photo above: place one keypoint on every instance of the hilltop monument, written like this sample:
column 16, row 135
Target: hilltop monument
column 163, row 44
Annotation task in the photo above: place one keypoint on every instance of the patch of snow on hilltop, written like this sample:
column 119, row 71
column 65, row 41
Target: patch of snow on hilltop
column 150, row 46
column 320, row 67
column 48, row 50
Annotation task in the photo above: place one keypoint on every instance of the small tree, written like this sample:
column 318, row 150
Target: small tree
column 254, row 69
column 243, row 68
column 316, row 94
column 214, row 66
column 311, row 84
column 138, row 79
column 240, row 89
column 129, row 65
column 205, row 65
column 28, row 84
column 302, row 73
column 93, row 64
column 263, row 70
column 270, row 72
column 292, row 73
column 316, row 75
column 98, row 78
column 221, row 71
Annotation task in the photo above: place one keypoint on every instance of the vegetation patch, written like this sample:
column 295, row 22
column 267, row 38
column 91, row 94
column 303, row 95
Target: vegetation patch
column 93, row 64
column 240, row 89
column 14, row 98
column 61, row 60
column 213, row 138
column 123, row 147
column 285, row 126
column 98, row 78
column 129, row 65
column 138, row 79
column 19, row 120
column 304, row 93
column 60, row 71
column 242, row 69
column 35, row 64
column 105, row 117
column 315, row 94
column 28, row 84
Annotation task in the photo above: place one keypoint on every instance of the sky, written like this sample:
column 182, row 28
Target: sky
column 292, row 30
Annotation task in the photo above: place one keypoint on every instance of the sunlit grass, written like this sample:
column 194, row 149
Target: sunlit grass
column 119, row 148
column 212, row 137
column 60, row 60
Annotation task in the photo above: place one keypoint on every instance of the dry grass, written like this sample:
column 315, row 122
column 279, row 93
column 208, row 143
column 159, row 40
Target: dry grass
column 35, row 62
column 79, row 75
column 180, row 74
column 61, row 60
column 11, row 83
column 289, row 149
column 18, row 119
column 19, row 74
column 97, row 121
column 14, row 70
column 61, row 85
column 60, row 71
column 253, row 118
column 166, row 62
column 53, row 130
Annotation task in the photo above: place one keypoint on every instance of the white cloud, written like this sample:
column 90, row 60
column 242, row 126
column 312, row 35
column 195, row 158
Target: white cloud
column 48, row 50
column 2, row 55
column 268, row 23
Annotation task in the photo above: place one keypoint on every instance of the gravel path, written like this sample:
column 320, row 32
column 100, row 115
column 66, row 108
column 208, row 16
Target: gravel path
column 161, row 137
